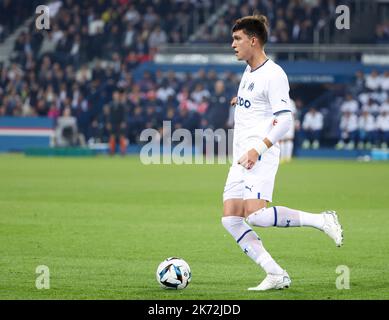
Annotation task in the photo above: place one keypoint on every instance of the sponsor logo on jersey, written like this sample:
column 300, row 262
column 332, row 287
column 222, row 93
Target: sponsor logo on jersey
column 244, row 102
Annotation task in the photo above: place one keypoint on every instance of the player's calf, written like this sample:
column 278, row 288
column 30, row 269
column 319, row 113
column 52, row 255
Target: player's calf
column 250, row 243
column 279, row 216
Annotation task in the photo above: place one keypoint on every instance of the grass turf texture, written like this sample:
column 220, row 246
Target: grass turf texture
column 102, row 226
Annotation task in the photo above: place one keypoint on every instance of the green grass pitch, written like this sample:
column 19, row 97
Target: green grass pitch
column 102, row 225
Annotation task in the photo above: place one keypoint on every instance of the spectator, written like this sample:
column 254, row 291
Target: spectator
column 371, row 107
column 66, row 133
column 218, row 109
column 367, row 130
column 221, row 31
column 312, row 126
column 381, row 34
column 348, row 131
column 117, row 125
column 359, row 83
column 373, row 81
column 349, row 105
column 199, row 93
column 49, row 44
column 129, row 37
column 164, row 91
column 157, row 38
column 383, row 128
column 385, row 106
column 136, row 123
column 385, row 81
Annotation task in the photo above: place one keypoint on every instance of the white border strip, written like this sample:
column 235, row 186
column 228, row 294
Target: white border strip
column 26, row 132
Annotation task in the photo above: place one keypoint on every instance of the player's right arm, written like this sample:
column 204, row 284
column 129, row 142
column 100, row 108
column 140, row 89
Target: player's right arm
column 233, row 101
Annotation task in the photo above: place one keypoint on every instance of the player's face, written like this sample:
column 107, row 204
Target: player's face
column 242, row 45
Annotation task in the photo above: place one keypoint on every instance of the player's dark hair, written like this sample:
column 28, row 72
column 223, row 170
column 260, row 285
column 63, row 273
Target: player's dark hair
column 253, row 26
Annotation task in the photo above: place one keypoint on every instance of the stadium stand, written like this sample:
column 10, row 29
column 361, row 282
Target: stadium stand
column 96, row 48
column 13, row 13
column 363, row 122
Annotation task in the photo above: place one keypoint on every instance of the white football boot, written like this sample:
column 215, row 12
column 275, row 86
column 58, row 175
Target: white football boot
column 273, row 281
column 332, row 227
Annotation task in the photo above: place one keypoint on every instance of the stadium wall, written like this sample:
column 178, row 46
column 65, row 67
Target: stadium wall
column 18, row 134
column 298, row 71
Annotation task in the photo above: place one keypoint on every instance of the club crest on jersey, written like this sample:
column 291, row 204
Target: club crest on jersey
column 251, row 86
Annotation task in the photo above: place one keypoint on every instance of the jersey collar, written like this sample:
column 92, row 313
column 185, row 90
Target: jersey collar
column 260, row 65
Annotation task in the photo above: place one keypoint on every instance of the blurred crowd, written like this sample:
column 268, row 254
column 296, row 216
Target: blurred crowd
column 363, row 115
column 382, row 33
column 52, row 74
column 289, row 21
column 107, row 96
column 134, row 30
column 83, row 30
column 364, row 121
column 13, row 13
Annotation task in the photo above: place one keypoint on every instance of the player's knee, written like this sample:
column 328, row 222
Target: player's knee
column 250, row 209
column 224, row 222
column 250, row 216
column 230, row 223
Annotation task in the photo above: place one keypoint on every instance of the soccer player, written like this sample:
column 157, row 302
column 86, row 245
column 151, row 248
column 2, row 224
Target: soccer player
column 286, row 143
column 262, row 117
column 117, row 122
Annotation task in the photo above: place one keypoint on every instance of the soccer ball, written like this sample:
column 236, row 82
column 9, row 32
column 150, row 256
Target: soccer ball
column 173, row 273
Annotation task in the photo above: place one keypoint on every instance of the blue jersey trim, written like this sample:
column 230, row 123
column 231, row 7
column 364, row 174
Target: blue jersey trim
column 275, row 216
column 259, row 66
column 281, row 111
column 242, row 236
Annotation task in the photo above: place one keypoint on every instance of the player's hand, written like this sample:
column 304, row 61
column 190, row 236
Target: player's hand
column 249, row 159
column 234, row 101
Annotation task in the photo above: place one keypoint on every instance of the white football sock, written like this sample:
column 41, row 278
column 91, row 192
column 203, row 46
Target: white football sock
column 285, row 217
column 250, row 243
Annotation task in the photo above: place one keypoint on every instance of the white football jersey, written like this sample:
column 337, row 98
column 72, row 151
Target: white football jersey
column 262, row 93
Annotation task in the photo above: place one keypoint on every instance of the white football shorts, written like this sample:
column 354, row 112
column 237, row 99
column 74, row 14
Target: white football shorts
column 256, row 183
